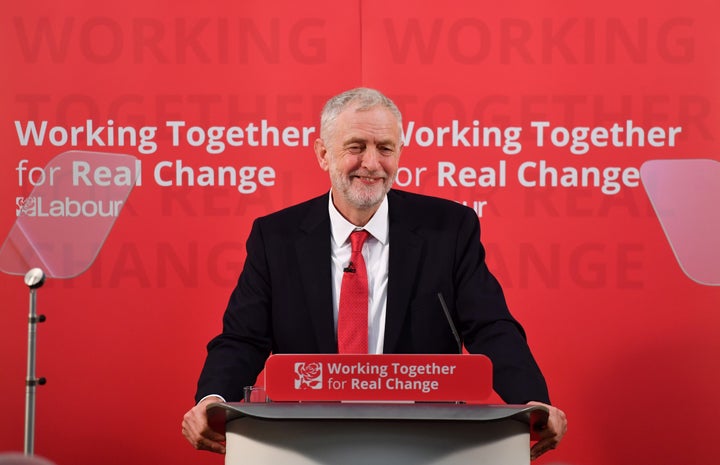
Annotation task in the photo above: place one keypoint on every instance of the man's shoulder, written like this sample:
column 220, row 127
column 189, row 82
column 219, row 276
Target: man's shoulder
column 298, row 213
column 420, row 204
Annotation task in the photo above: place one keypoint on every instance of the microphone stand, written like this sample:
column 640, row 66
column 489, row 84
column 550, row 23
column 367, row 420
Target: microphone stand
column 456, row 335
column 34, row 279
column 454, row 330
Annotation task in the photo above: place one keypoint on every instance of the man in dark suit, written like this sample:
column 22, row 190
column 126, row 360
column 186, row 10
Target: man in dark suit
column 287, row 297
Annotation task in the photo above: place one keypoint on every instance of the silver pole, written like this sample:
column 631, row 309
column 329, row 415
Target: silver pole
column 33, row 279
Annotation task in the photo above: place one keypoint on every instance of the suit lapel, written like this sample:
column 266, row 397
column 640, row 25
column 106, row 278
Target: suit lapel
column 313, row 251
column 405, row 250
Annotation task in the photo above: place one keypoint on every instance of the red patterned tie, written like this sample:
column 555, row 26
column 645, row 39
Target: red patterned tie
column 353, row 313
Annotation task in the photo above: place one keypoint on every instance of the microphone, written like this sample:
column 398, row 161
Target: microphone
column 446, row 311
column 350, row 268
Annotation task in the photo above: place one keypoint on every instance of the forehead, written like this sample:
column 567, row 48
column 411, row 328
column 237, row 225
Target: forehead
column 376, row 123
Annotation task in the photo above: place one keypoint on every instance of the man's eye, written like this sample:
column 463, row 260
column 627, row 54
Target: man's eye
column 355, row 148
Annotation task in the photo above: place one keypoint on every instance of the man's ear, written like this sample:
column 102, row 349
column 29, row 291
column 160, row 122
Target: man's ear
column 322, row 154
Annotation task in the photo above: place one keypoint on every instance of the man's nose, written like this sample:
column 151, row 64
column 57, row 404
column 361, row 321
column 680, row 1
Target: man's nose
column 371, row 159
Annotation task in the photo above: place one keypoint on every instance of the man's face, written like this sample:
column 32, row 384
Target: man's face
column 361, row 154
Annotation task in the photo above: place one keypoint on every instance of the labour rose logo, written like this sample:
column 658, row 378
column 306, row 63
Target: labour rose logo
column 309, row 375
column 24, row 205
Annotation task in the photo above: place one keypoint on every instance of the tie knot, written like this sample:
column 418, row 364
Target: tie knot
column 357, row 239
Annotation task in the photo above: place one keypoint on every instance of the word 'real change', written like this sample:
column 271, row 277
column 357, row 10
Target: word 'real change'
column 80, row 173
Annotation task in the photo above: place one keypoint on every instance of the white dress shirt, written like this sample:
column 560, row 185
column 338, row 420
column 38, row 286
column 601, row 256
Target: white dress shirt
column 376, row 251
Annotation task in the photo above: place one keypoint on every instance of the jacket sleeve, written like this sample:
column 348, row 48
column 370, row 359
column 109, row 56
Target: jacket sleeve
column 486, row 323
column 238, row 354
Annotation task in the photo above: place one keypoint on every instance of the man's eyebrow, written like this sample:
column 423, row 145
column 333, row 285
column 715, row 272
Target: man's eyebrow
column 355, row 140
column 363, row 140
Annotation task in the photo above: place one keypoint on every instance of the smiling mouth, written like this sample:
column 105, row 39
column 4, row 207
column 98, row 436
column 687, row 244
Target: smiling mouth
column 365, row 179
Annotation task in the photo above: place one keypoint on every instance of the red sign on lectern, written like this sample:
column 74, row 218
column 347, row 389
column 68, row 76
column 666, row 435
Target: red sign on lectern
column 423, row 378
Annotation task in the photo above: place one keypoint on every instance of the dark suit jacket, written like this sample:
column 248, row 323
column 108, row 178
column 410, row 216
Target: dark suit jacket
column 283, row 300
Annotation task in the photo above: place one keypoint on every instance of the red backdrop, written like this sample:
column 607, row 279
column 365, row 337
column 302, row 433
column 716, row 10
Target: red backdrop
column 626, row 340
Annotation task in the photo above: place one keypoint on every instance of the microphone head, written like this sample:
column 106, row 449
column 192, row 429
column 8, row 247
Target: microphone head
column 34, row 278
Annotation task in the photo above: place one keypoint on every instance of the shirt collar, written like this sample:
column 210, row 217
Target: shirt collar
column 342, row 228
